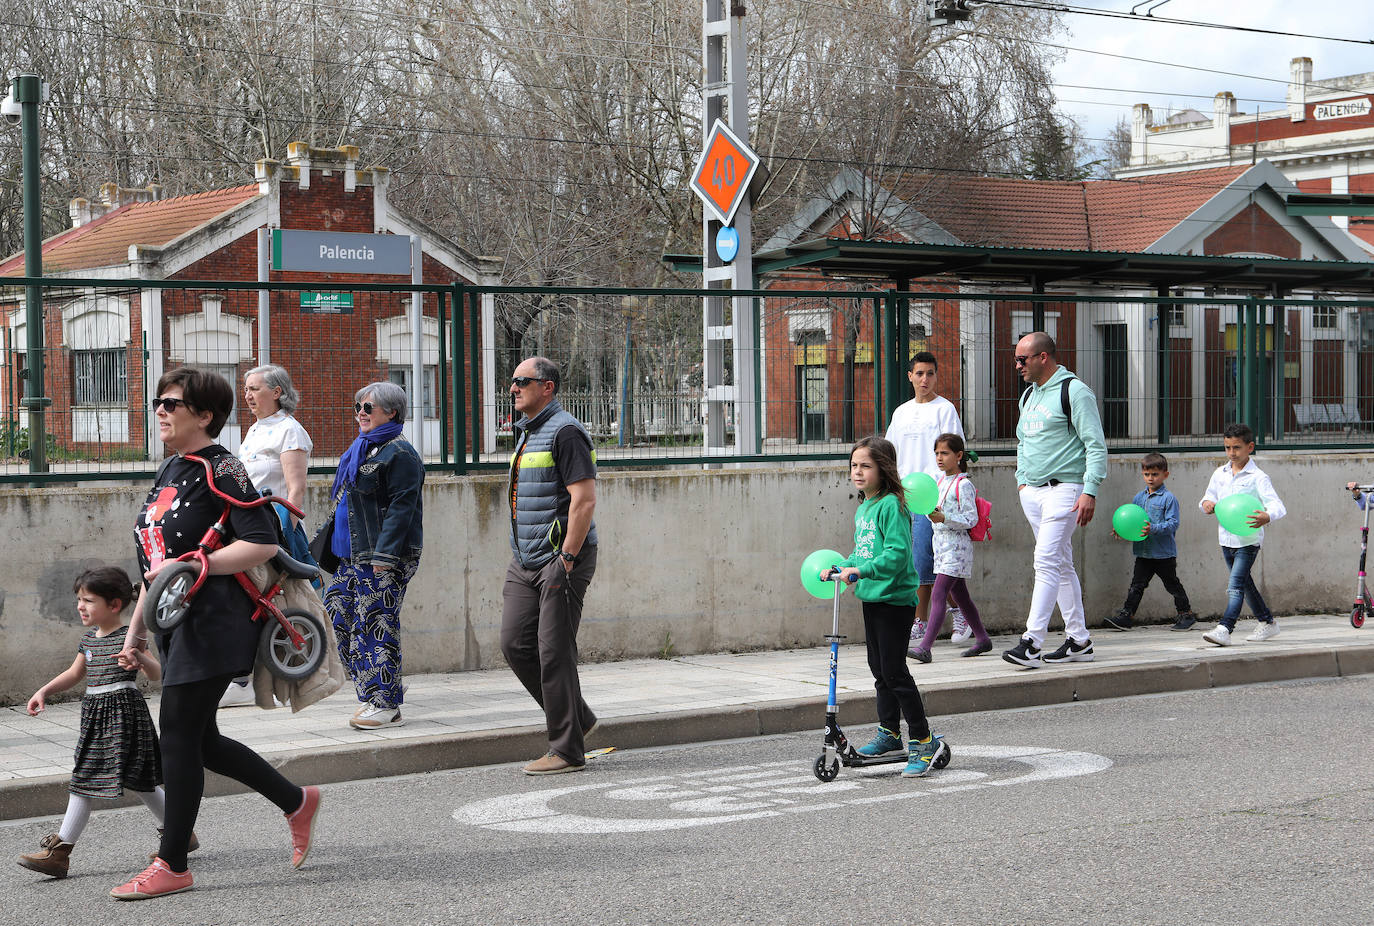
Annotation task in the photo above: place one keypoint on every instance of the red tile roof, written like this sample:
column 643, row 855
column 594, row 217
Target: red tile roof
column 1096, row 215
column 106, row 240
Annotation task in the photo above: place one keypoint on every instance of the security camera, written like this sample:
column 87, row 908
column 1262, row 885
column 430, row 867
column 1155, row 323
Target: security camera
column 11, row 110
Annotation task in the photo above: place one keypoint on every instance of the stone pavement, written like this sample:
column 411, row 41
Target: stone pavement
column 484, row 717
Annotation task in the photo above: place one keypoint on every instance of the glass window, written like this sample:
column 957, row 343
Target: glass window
column 400, row 375
column 100, row 377
column 1324, row 316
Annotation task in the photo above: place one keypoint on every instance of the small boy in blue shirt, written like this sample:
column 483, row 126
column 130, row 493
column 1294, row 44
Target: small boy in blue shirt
column 1157, row 553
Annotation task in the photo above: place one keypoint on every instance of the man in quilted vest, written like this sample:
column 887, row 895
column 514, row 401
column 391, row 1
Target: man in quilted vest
column 552, row 496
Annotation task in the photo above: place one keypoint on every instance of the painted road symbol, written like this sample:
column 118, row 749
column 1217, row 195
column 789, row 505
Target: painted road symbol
column 751, row 792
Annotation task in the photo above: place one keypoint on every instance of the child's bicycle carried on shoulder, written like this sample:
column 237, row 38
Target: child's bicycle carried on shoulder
column 292, row 642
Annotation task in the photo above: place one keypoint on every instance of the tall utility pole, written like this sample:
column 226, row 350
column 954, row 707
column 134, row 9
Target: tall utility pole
column 27, row 92
column 727, row 99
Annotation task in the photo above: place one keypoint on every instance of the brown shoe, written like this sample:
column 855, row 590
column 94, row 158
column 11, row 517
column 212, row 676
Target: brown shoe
column 51, row 859
column 552, row 763
column 195, row 844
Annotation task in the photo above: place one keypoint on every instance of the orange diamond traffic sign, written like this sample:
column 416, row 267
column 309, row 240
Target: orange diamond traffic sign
column 723, row 174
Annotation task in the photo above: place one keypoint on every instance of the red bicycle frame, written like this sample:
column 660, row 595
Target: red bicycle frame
column 214, row 540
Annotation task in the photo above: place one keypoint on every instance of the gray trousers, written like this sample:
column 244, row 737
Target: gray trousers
column 541, row 611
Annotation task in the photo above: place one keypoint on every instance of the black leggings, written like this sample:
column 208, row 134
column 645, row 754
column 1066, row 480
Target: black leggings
column 191, row 743
column 887, row 631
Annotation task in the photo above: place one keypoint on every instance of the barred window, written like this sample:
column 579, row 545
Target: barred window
column 400, row 375
column 100, row 377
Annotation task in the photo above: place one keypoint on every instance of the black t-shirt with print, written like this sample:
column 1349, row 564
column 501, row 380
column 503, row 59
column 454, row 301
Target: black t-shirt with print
column 217, row 637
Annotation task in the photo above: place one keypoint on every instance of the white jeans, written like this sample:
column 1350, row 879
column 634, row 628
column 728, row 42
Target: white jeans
column 1049, row 509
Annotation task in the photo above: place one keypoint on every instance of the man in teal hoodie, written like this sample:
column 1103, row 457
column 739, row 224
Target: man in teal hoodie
column 1061, row 459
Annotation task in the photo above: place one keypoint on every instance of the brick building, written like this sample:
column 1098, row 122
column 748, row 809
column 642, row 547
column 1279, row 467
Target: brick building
column 107, row 346
column 1205, row 233
column 1322, row 139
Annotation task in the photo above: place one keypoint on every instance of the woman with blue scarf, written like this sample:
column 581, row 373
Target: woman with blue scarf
column 372, row 545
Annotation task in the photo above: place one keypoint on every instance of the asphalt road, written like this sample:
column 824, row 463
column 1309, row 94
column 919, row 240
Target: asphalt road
column 1244, row 805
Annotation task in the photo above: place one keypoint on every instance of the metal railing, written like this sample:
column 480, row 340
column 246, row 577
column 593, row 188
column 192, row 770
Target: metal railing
column 1169, row 372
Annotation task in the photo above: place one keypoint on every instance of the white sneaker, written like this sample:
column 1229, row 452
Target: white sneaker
column 962, row 631
column 1267, row 630
column 918, row 632
column 1218, row 635
column 237, row 695
column 372, row 717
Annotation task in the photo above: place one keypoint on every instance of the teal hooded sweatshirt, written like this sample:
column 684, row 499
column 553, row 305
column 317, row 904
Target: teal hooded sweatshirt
column 1048, row 449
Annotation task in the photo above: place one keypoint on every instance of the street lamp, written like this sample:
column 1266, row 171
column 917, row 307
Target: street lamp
column 629, row 307
column 21, row 106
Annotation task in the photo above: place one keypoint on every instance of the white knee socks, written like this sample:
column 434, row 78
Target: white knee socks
column 79, row 812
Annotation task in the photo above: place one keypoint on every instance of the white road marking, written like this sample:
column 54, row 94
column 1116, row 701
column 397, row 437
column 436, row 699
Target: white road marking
column 705, row 798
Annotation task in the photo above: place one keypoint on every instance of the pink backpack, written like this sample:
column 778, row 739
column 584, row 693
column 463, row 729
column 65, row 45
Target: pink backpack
column 982, row 528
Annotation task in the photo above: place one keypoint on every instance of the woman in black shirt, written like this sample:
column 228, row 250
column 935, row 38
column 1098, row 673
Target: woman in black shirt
column 217, row 640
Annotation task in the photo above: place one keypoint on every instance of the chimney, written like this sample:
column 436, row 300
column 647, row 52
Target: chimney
column 305, row 158
column 112, row 196
column 1300, row 70
column 1141, row 121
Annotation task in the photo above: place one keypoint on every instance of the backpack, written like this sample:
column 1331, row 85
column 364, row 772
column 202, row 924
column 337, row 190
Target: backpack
column 982, row 528
column 1063, row 402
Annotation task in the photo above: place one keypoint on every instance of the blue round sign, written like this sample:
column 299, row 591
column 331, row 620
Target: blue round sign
column 727, row 243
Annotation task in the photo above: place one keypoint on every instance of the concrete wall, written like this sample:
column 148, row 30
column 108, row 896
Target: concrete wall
column 697, row 561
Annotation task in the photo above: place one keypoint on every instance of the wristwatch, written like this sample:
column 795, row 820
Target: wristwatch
column 568, row 557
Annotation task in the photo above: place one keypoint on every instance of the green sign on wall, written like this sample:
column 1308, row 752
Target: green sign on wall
column 334, row 303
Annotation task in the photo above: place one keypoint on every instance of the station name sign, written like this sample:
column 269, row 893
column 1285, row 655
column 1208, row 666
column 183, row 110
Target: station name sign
column 1342, row 109
column 340, row 252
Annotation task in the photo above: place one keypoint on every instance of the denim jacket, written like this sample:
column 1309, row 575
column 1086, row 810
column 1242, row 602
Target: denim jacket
column 384, row 506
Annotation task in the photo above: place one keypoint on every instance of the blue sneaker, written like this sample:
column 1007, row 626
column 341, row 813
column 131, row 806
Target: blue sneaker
column 923, row 755
column 884, row 743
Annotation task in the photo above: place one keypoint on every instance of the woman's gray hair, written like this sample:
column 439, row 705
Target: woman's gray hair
column 275, row 377
column 389, row 396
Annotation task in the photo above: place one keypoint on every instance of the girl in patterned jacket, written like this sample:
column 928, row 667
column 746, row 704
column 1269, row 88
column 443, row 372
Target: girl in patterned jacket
column 117, row 746
column 954, row 515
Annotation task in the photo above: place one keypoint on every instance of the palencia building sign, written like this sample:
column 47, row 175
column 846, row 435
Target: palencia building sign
column 340, row 252
column 1342, row 109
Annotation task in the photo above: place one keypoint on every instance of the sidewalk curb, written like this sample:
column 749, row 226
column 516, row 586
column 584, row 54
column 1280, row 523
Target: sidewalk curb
column 385, row 757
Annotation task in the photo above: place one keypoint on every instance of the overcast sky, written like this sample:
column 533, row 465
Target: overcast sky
column 1180, row 70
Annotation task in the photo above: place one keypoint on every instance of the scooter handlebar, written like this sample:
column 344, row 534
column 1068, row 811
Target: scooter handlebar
column 833, row 576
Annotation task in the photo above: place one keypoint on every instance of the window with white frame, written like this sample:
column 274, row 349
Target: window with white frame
column 1023, row 323
column 919, row 319
column 1325, row 317
column 401, row 375
column 100, row 377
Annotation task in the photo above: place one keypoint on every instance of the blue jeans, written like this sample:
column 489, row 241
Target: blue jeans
column 1240, row 560
column 923, row 548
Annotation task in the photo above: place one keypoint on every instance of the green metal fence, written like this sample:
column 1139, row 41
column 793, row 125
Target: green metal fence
column 1169, row 371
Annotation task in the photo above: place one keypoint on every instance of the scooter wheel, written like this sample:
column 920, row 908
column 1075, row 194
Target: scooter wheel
column 945, row 756
column 1357, row 616
column 826, row 772
column 167, row 596
column 280, row 655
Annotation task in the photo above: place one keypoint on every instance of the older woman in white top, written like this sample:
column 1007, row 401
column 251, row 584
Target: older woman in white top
column 275, row 451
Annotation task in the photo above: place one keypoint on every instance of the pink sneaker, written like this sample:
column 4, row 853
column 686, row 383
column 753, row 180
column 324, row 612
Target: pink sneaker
column 155, row 881
column 303, row 826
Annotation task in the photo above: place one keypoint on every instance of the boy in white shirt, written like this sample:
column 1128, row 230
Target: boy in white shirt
column 1240, row 475
column 915, row 425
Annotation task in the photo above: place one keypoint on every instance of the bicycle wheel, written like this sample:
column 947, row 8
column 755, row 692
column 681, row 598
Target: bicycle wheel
column 167, row 596
column 281, row 656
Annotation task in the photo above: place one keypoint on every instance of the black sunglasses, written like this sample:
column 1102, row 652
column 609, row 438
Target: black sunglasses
column 523, row 381
column 169, row 404
column 1021, row 359
column 365, row 407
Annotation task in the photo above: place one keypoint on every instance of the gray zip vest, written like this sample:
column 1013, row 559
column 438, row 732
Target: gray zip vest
column 536, row 531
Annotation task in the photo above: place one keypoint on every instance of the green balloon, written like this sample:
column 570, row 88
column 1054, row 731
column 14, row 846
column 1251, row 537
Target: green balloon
column 811, row 573
column 1129, row 522
column 922, row 494
column 1234, row 511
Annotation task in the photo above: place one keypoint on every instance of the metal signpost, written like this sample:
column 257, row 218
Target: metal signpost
column 722, row 179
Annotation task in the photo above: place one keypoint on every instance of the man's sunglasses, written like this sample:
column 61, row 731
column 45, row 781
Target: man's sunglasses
column 168, row 405
column 523, row 381
column 1022, row 358
column 364, row 407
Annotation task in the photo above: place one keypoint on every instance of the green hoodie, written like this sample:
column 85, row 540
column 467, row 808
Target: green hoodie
column 1047, row 449
column 882, row 552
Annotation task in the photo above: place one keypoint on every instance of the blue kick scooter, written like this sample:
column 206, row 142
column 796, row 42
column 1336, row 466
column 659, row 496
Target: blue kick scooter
column 837, row 750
